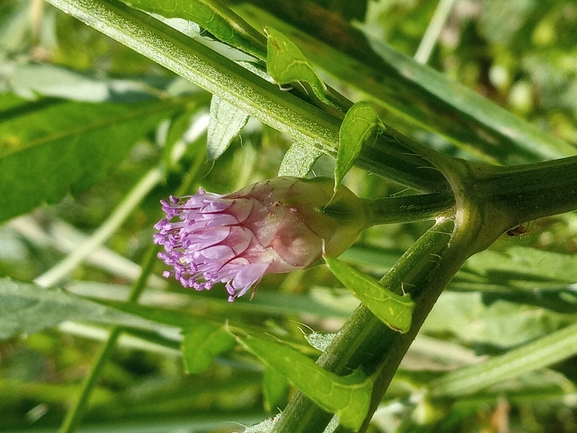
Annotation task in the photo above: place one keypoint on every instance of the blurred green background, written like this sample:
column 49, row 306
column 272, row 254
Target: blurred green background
column 521, row 54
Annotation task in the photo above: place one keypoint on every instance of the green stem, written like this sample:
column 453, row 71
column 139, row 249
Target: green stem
column 412, row 91
column 219, row 75
column 365, row 342
column 206, row 68
column 409, row 208
column 500, row 198
column 433, row 31
column 531, row 191
column 115, row 220
column 74, row 415
column 489, row 200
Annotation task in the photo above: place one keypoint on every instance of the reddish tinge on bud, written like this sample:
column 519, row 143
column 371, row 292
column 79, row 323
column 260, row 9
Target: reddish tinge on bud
column 278, row 225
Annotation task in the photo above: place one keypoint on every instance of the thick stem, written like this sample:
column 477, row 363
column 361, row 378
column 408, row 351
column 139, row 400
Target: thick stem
column 365, row 342
column 503, row 197
column 257, row 97
column 531, row 191
column 489, row 200
column 404, row 87
column 409, row 208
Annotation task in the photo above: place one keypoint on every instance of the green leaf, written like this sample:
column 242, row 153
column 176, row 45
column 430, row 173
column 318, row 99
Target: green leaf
column 320, row 340
column 418, row 94
column 394, row 310
column 226, row 122
column 275, row 389
column 501, row 324
column 349, row 10
column 202, row 344
column 298, row 160
column 347, row 396
column 164, row 316
column 265, row 426
column 212, row 15
column 26, row 308
column 525, row 265
column 50, row 147
column 358, row 126
column 31, row 79
column 539, row 353
column 287, row 64
column 522, row 275
column 179, row 125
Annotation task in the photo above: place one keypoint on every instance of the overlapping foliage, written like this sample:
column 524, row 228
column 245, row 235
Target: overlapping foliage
column 92, row 135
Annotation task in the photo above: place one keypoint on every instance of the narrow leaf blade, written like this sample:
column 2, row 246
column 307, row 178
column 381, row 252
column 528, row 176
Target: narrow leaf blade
column 425, row 97
column 32, row 79
column 26, row 308
column 212, row 15
column 50, row 147
column 202, row 344
column 537, row 354
column 347, row 396
column 394, row 310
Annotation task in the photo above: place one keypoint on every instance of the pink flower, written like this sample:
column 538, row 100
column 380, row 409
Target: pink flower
column 278, row 225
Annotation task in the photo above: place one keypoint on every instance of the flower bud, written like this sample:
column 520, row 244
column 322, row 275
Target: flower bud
column 274, row 226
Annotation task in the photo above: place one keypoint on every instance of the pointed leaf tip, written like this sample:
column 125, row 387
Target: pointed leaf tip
column 358, row 126
column 287, row 64
column 393, row 310
column 225, row 124
column 347, row 396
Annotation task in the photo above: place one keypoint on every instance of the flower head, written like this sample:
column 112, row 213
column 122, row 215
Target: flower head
column 278, row 225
